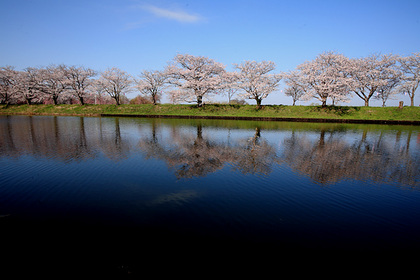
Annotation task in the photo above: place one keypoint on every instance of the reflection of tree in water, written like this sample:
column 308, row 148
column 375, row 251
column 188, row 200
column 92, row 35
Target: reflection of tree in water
column 255, row 156
column 112, row 144
column 381, row 157
column 322, row 160
column 66, row 139
column 198, row 157
column 381, row 161
column 330, row 159
column 193, row 156
column 80, row 149
column 7, row 144
column 43, row 137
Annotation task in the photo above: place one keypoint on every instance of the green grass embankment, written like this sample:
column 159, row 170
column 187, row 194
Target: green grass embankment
column 268, row 112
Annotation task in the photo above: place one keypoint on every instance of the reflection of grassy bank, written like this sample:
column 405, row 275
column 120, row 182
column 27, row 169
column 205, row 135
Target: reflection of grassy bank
column 284, row 125
column 216, row 110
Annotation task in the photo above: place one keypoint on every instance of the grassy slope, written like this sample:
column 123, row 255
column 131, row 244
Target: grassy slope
column 278, row 111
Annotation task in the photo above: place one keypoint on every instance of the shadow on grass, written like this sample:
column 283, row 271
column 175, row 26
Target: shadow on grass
column 336, row 110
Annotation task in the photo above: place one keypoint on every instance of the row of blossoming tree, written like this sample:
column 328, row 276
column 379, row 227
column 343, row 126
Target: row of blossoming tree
column 336, row 77
column 188, row 78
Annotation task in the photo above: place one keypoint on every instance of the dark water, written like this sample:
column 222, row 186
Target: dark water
column 118, row 195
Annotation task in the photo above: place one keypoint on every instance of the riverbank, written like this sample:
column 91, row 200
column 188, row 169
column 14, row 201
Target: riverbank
column 348, row 114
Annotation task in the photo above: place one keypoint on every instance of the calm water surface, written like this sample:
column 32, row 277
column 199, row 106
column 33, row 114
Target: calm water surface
column 116, row 191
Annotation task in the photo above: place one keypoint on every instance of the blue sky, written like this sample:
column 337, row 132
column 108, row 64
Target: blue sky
column 135, row 35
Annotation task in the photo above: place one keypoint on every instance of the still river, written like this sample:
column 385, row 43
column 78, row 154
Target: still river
column 119, row 189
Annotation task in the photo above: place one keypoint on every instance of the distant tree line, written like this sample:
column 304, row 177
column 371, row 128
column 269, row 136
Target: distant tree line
column 187, row 78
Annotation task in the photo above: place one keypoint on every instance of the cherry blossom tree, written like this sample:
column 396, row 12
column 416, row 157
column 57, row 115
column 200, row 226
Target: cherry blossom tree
column 30, row 83
column 195, row 76
column 392, row 77
column 116, row 83
column 79, row 80
column 229, row 84
column 295, row 87
column 386, row 91
column 177, row 95
column 370, row 73
column 9, row 84
column 53, row 83
column 99, row 94
column 255, row 80
column 410, row 65
column 151, row 84
column 325, row 77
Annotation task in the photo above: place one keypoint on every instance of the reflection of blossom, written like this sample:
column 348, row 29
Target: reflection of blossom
column 191, row 156
column 190, row 151
column 197, row 156
column 61, row 138
column 330, row 159
column 256, row 156
column 113, row 145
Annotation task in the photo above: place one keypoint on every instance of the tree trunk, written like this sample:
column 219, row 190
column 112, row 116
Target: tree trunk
column 324, row 103
column 412, row 99
column 367, row 102
column 81, row 100
column 322, row 138
column 199, row 101
column 55, row 100
column 258, row 102
column 117, row 100
column 257, row 132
